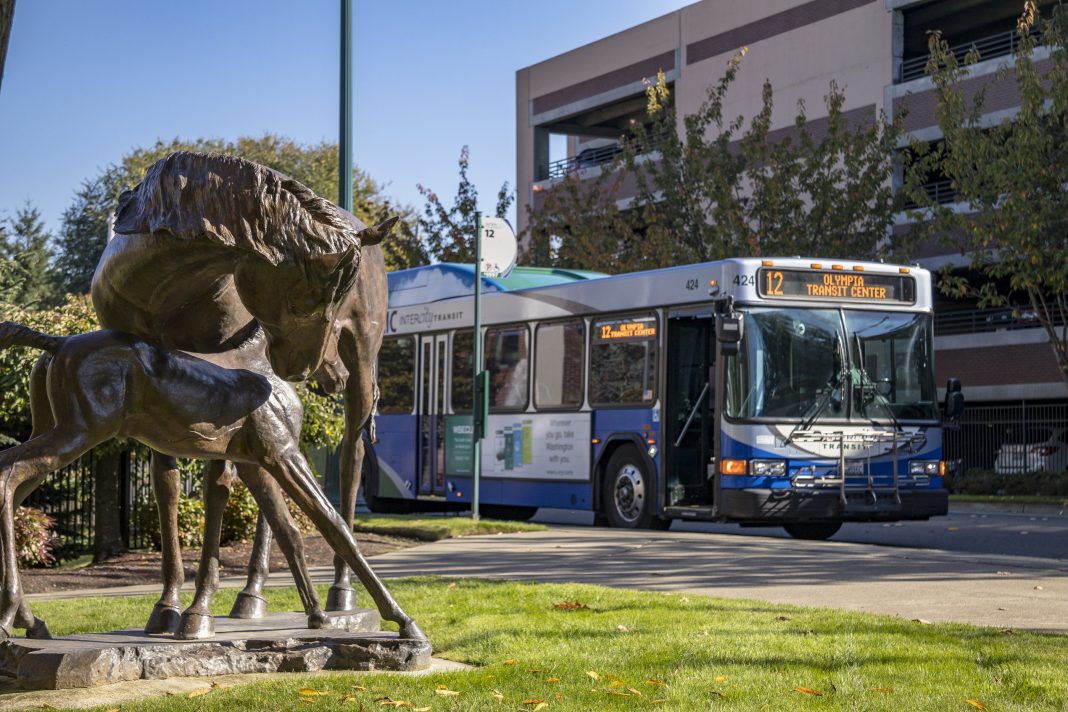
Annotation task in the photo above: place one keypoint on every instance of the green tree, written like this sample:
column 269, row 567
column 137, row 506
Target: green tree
column 1011, row 178
column 448, row 232
column 84, row 232
column 720, row 187
column 25, row 254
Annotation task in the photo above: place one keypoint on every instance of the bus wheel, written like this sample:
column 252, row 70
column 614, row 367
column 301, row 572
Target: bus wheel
column 628, row 491
column 812, row 530
column 507, row 512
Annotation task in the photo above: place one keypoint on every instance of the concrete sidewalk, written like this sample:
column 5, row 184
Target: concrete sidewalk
column 1000, row 591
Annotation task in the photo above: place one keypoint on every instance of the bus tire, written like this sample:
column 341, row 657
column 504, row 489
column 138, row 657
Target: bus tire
column 628, row 491
column 507, row 512
column 812, row 531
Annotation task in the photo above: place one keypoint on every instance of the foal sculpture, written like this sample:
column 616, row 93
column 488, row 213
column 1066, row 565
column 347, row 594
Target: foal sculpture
column 207, row 245
column 232, row 406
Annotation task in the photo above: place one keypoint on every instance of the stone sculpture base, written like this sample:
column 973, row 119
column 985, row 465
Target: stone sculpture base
column 279, row 642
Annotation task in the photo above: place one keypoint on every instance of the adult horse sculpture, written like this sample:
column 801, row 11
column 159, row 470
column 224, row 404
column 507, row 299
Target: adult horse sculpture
column 206, row 244
column 231, row 406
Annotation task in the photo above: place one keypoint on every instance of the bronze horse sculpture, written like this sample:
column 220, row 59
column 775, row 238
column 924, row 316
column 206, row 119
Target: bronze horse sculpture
column 206, row 246
column 230, row 406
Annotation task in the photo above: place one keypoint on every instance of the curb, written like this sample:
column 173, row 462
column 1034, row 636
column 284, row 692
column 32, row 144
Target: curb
column 1045, row 510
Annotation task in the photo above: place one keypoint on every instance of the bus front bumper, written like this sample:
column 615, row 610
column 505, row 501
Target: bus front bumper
column 777, row 506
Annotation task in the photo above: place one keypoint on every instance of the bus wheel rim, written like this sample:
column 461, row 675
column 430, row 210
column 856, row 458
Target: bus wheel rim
column 629, row 493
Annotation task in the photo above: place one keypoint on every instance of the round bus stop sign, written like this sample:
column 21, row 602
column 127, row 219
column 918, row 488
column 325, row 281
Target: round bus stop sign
column 499, row 247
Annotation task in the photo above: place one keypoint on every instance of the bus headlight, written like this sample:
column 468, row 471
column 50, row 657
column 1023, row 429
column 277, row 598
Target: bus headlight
column 925, row 468
column 768, row 468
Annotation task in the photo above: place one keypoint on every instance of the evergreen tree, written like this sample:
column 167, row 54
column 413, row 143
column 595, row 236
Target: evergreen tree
column 25, row 278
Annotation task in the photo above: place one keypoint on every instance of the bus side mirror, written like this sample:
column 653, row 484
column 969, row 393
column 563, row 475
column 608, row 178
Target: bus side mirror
column 729, row 329
column 954, row 404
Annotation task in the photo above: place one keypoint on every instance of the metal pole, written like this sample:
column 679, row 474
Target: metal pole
column 344, row 147
column 476, row 445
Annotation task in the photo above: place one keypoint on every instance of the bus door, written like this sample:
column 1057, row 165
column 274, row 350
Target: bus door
column 431, row 414
column 687, row 421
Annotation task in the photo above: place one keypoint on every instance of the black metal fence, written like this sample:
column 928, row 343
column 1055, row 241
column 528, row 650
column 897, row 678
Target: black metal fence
column 68, row 497
column 1010, row 439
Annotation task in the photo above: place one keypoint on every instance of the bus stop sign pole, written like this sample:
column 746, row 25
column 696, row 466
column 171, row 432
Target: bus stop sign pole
column 478, row 414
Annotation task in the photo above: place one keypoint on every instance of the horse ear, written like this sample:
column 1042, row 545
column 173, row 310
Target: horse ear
column 375, row 235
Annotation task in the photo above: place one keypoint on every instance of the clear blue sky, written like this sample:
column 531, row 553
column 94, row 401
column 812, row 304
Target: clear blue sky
column 85, row 82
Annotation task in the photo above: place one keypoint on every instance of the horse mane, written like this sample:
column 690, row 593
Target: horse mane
column 236, row 203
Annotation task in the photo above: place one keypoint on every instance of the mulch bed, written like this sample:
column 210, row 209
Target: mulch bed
column 137, row 567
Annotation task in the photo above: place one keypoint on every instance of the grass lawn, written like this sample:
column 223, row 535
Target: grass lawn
column 580, row 647
column 434, row 528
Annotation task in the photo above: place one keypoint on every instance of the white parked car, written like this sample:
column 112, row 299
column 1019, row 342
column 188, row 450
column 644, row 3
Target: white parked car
column 1043, row 450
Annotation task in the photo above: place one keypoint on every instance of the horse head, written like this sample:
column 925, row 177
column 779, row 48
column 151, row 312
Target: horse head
column 297, row 304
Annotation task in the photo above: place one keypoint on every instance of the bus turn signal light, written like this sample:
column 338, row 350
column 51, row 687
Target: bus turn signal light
column 732, row 467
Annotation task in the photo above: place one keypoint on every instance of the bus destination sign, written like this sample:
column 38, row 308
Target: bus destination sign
column 836, row 284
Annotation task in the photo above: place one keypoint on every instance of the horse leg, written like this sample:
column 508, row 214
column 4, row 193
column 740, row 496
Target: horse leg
column 166, row 485
column 292, row 472
column 290, row 541
column 250, row 602
column 358, row 350
column 22, row 464
column 196, row 622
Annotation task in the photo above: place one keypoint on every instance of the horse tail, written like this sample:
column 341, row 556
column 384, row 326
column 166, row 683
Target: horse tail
column 12, row 334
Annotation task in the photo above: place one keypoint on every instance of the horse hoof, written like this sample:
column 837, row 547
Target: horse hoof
column 411, row 631
column 248, row 605
column 163, row 619
column 340, row 599
column 195, row 626
column 38, row 631
column 318, row 620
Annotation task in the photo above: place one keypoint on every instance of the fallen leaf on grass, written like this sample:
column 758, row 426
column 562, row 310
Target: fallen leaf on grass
column 447, row 693
column 451, row 585
column 782, row 618
column 654, row 682
column 558, row 697
column 422, row 709
column 510, row 661
column 616, row 683
column 808, row 691
column 552, row 679
column 199, row 692
column 388, row 702
column 880, row 689
column 635, row 692
column 533, row 701
column 922, row 621
column 592, row 674
column 977, row 704
column 359, row 688
column 112, row 709
column 717, row 693
column 540, row 706
column 622, row 629
column 571, row 606
column 720, row 678
column 498, row 695
column 309, row 692
column 658, row 701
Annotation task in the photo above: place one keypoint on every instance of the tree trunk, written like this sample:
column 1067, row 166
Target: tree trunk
column 107, row 532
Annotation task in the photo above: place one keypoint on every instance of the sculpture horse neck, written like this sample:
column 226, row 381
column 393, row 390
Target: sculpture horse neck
column 157, row 288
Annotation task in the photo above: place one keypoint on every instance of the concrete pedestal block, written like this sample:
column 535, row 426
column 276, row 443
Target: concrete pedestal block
column 279, row 642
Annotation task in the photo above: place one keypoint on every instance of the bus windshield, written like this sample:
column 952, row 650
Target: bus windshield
column 831, row 364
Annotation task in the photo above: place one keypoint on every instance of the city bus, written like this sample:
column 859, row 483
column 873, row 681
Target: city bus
column 767, row 392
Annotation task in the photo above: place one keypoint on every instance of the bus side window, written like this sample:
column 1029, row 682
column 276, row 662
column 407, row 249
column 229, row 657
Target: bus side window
column 463, row 366
column 558, row 365
column 507, row 360
column 396, row 375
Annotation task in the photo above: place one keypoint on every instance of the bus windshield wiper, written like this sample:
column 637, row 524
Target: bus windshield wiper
column 866, row 382
column 821, row 406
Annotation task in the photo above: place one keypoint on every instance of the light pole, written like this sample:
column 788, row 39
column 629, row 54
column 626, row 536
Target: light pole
column 344, row 143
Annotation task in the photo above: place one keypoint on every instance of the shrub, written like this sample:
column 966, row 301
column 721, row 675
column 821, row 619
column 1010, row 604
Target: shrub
column 190, row 522
column 986, row 482
column 34, row 537
column 240, row 515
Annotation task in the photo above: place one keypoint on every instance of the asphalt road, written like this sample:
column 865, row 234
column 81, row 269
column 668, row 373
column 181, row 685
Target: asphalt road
column 1043, row 536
